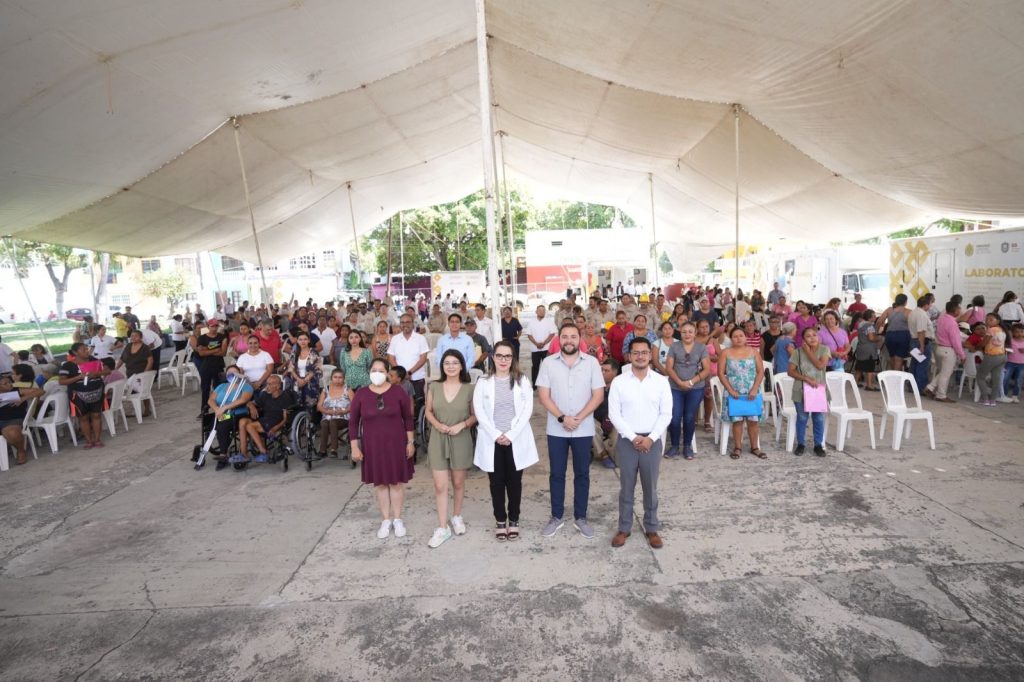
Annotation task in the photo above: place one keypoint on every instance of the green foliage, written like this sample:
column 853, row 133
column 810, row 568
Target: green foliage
column 664, row 263
column 940, row 225
column 453, row 236
column 171, row 285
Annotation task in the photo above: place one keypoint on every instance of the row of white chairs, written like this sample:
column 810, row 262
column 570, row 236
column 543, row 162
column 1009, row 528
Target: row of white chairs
column 55, row 412
column 779, row 408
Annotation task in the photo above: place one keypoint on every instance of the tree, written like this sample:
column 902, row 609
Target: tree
column 12, row 249
column 171, row 285
column 664, row 263
column 59, row 261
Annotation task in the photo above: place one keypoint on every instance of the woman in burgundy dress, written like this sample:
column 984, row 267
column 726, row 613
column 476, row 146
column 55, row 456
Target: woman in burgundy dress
column 381, row 431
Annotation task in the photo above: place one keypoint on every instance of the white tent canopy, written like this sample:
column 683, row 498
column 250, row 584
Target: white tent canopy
column 855, row 118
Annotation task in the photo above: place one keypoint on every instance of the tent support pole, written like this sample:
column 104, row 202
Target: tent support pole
column 355, row 237
column 654, row 234
column 32, row 308
column 487, row 140
column 264, row 294
column 387, row 287
column 401, row 249
column 512, row 278
column 736, row 139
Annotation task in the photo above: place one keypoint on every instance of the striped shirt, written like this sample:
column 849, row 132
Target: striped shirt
column 504, row 404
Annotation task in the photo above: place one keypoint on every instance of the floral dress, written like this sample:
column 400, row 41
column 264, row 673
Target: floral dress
column 741, row 373
column 307, row 395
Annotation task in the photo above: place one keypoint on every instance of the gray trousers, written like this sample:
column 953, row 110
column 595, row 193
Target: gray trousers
column 631, row 461
column 991, row 370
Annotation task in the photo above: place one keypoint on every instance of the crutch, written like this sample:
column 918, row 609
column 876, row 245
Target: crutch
column 235, row 386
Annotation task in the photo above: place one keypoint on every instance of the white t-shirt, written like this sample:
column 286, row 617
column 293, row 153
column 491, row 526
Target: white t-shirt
column 151, row 339
column 254, row 365
column 485, row 328
column 540, row 330
column 5, row 358
column 327, row 337
column 102, row 347
column 178, row 332
column 407, row 352
column 1010, row 311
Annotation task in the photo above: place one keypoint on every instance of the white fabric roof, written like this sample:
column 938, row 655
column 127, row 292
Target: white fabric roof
column 857, row 118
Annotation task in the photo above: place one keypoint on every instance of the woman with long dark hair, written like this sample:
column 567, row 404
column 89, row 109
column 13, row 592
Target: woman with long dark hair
column 305, row 371
column 503, row 404
column 449, row 409
column 895, row 319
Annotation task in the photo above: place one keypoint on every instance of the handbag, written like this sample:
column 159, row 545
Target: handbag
column 815, row 399
column 745, row 407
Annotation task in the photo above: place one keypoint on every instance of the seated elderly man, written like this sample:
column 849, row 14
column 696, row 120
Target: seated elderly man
column 15, row 395
column 267, row 414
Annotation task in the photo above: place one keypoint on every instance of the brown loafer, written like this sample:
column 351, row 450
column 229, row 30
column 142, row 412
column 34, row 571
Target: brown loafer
column 620, row 539
column 654, row 540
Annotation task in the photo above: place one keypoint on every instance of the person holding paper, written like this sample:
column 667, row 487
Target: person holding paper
column 741, row 371
column 807, row 367
column 13, row 408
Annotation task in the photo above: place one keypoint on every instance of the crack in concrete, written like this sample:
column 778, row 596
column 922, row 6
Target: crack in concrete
column 316, row 544
column 934, row 579
column 944, row 506
column 631, row 582
column 113, row 649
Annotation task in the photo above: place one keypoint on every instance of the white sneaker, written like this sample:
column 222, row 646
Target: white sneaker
column 399, row 528
column 385, row 530
column 439, row 537
column 458, row 525
column 1004, row 399
column 1015, row 399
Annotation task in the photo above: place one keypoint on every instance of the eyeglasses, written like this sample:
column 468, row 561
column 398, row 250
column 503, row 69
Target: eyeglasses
column 380, row 403
column 502, row 356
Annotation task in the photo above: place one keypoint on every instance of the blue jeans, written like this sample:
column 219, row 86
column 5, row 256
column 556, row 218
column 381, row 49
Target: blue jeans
column 818, row 419
column 685, row 405
column 1013, row 378
column 920, row 369
column 558, row 453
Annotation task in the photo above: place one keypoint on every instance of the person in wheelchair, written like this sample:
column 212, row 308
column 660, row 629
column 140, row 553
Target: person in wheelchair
column 267, row 416
column 334, row 406
column 229, row 401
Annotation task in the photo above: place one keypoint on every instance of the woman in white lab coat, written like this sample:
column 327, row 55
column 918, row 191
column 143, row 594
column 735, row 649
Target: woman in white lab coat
column 503, row 405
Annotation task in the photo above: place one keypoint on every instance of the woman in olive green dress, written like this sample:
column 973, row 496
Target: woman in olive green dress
column 449, row 409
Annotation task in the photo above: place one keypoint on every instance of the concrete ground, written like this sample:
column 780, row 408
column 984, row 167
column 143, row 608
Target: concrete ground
column 124, row 563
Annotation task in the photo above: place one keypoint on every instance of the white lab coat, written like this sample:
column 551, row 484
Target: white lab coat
column 524, row 448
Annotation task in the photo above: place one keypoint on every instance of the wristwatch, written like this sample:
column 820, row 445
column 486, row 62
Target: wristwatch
column 561, row 419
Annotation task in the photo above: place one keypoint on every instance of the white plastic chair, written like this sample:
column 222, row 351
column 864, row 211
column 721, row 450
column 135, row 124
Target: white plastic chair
column 173, row 370
column 769, row 399
column 970, row 372
column 59, row 416
column 845, row 413
column 191, row 373
column 116, row 404
column 26, row 432
column 141, row 392
column 328, row 371
column 782, row 385
column 895, row 399
column 722, row 429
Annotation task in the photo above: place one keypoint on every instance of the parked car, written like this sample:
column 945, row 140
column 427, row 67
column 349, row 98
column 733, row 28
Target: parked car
column 80, row 313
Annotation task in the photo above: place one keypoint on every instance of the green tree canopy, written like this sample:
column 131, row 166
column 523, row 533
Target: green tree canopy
column 170, row 285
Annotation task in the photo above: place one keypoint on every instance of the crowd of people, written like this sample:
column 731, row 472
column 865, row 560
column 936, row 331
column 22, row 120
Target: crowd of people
column 623, row 380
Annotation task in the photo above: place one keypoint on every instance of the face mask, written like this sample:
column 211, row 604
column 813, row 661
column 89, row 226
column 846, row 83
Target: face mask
column 378, row 378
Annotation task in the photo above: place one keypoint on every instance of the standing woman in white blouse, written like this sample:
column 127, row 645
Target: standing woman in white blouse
column 503, row 404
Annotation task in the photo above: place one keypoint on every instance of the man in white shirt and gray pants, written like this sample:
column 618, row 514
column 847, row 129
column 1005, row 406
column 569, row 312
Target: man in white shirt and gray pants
column 640, row 407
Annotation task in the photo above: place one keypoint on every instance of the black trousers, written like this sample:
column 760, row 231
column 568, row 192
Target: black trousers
column 536, row 357
column 179, row 345
column 225, row 430
column 208, row 373
column 505, row 481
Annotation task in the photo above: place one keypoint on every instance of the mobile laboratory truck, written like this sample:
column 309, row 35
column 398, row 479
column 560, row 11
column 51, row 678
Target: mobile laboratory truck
column 982, row 262
column 816, row 275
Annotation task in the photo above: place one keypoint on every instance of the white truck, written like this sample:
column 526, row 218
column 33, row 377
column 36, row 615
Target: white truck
column 816, row 275
column 982, row 262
